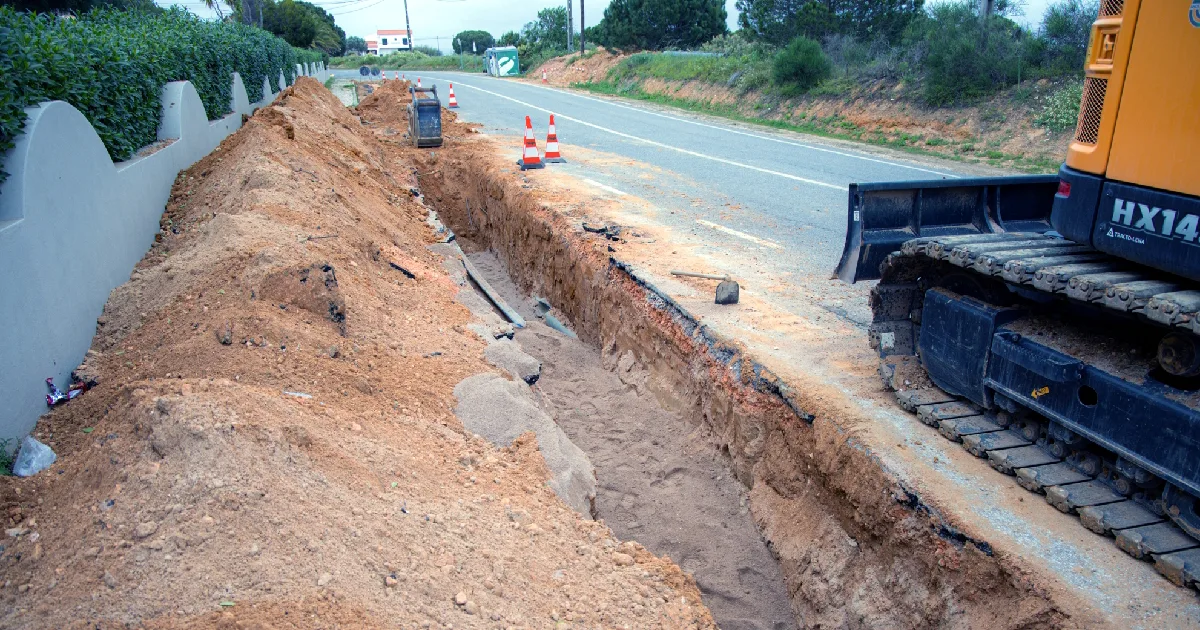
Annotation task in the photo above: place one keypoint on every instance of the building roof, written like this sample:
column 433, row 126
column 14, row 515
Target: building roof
column 371, row 42
column 392, row 32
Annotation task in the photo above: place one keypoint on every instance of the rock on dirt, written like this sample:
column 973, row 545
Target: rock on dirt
column 501, row 410
column 508, row 356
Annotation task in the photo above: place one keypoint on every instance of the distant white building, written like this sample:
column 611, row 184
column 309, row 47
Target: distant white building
column 388, row 41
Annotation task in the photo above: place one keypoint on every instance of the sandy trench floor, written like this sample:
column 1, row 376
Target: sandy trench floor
column 659, row 480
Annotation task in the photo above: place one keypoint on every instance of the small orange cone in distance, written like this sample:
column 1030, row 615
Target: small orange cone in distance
column 552, row 154
column 397, row 74
column 529, row 155
column 543, row 76
column 418, row 81
column 453, row 101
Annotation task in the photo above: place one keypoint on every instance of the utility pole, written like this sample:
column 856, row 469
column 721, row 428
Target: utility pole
column 408, row 26
column 582, row 29
column 570, row 25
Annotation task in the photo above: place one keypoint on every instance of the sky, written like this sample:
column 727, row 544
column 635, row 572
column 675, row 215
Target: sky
column 435, row 22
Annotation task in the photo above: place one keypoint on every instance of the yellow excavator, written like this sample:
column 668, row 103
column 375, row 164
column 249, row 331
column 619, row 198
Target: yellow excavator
column 1051, row 324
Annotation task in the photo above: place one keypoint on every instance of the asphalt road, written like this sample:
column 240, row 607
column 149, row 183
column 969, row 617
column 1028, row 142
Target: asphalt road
column 745, row 189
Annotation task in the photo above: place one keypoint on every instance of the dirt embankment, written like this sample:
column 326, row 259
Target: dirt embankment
column 272, row 442
column 999, row 131
column 857, row 549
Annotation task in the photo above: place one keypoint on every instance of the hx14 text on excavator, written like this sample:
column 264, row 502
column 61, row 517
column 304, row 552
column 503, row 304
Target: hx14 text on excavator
column 1052, row 323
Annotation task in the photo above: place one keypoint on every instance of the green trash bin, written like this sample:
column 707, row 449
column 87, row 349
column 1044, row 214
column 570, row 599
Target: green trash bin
column 502, row 61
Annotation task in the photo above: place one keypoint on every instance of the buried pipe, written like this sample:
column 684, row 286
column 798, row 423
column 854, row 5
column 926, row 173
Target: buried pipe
column 487, row 289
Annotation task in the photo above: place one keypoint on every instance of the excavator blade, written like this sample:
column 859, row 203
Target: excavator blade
column 882, row 216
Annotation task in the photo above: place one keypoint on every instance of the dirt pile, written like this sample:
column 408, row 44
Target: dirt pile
column 568, row 69
column 272, row 442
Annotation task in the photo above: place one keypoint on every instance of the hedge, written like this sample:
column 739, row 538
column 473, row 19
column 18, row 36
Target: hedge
column 111, row 65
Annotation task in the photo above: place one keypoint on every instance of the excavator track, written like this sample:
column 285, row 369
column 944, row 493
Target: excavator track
column 1071, row 480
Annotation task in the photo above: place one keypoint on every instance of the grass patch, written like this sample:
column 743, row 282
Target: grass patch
column 1061, row 112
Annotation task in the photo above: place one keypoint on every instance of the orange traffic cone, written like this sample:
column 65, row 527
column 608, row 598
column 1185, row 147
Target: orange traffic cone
column 552, row 154
column 402, row 78
column 529, row 156
column 453, row 101
column 543, row 76
column 418, row 81
column 397, row 74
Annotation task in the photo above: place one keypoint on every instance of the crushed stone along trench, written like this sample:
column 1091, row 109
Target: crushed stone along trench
column 658, row 479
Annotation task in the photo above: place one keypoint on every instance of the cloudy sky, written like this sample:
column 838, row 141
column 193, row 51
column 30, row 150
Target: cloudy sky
column 433, row 18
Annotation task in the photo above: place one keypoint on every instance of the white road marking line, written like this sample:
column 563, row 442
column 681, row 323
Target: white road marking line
column 742, row 235
column 743, row 133
column 660, row 144
column 605, row 187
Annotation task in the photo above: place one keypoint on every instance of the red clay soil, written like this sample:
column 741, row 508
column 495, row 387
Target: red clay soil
column 272, row 444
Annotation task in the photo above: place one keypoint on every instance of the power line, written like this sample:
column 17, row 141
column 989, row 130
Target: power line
column 377, row 2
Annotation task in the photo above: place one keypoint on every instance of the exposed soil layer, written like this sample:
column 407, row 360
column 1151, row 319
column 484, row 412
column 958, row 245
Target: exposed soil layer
column 658, row 481
column 994, row 130
column 857, row 549
column 272, row 445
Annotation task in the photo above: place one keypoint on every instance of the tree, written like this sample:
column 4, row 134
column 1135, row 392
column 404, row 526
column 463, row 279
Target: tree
column 966, row 56
column 329, row 38
column 356, row 44
column 482, row 41
column 779, row 21
column 1066, row 27
column 657, row 24
column 511, row 38
column 291, row 21
column 301, row 24
column 549, row 31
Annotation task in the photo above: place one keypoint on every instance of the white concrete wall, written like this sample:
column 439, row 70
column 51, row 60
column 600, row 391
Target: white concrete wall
column 72, row 226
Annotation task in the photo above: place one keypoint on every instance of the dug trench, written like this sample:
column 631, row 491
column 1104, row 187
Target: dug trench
column 855, row 547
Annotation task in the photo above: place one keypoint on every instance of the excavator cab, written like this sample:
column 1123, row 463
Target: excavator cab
column 1131, row 182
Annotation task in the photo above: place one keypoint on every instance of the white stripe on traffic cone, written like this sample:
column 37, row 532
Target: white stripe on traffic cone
column 529, row 155
column 552, row 154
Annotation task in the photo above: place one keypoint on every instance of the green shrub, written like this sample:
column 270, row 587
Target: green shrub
column 410, row 61
column 966, row 57
column 1061, row 112
column 800, row 66
column 111, row 65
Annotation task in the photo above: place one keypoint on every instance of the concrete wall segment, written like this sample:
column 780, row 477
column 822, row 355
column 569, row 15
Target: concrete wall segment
column 72, row 226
